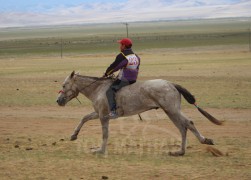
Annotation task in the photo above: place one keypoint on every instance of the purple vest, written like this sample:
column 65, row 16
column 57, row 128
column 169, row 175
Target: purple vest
column 130, row 72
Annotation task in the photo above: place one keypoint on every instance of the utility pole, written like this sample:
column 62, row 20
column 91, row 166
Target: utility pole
column 61, row 48
column 126, row 29
column 250, row 38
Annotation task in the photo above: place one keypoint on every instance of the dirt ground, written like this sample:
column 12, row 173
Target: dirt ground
column 35, row 145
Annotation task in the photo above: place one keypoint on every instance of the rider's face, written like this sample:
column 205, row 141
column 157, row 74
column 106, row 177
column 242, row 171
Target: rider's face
column 122, row 47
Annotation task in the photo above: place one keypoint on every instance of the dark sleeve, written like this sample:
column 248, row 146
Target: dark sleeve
column 116, row 65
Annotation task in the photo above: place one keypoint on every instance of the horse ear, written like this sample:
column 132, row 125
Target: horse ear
column 72, row 74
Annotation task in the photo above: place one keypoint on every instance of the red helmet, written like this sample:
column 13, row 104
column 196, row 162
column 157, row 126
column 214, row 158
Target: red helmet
column 125, row 41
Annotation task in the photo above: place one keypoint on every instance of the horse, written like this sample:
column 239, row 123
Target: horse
column 133, row 99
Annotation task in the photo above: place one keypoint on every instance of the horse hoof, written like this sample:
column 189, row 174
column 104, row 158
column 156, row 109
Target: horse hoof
column 176, row 153
column 208, row 141
column 73, row 137
column 98, row 151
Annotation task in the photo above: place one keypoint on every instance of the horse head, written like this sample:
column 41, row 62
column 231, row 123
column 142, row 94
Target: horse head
column 69, row 90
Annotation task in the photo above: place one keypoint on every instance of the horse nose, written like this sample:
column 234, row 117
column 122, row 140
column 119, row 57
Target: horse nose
column 60, row 102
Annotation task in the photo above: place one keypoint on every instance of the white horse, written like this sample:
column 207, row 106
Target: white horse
column 131, row 100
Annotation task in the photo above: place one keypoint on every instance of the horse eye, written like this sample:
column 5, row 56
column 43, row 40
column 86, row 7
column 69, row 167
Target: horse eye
column 63, row 86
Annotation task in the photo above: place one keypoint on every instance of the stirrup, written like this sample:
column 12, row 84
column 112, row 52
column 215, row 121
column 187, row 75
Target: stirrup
column 112, row 115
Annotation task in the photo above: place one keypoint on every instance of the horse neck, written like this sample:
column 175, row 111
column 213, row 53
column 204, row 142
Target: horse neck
column 89, row 86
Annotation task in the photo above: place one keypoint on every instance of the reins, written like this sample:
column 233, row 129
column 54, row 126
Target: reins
column 90, row 84
column 112, row 76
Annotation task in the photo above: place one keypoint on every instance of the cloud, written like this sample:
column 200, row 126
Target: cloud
column 128, row 11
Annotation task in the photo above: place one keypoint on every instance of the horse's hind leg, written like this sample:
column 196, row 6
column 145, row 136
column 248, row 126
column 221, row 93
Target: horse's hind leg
column 202, row 139
column 179, row 122
column 183, row 123
column 86, row 118
column 190, row 125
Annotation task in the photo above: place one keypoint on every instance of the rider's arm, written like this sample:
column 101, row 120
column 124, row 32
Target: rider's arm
column 119, row 63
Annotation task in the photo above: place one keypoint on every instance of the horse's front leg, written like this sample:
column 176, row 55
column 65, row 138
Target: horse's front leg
column 105, row 130
column 86, row 118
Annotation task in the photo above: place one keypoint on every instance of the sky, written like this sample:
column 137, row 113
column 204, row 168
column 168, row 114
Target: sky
column 20, row 13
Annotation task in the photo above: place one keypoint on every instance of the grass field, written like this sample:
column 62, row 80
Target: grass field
column 89, row 39
column 209, row 58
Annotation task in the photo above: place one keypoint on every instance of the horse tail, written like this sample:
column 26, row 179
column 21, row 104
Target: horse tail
column 191, row 99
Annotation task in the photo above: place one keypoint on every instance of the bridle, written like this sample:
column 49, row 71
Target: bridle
column 75, row 94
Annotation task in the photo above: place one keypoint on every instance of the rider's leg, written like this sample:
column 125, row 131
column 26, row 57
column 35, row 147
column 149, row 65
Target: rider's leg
column 117, row 85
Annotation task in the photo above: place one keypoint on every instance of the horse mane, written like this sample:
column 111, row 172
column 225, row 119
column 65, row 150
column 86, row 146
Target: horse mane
column 94, row 78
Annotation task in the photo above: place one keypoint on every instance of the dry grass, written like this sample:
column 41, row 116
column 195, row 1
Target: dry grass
column 136, row 150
